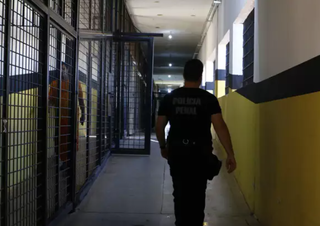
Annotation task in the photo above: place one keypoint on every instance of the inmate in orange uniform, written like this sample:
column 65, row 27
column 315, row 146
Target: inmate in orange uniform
column 65, row 130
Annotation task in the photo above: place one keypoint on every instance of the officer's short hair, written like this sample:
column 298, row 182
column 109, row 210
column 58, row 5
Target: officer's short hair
column 193, row 70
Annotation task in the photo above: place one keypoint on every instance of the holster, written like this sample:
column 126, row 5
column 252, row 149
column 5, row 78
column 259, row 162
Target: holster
column 192, row 147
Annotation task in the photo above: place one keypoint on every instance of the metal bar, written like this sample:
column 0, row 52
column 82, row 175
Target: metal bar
column 62, row 24
column 5, row 114
column 122, row 17
column 131, row 39
column 74, row 124
column 42, row 188
column 111, row 16
column 88, row 109
column 94, row 35
column 100, row 103
column 103, row 15
column 75, row 108
column 90, row 14
column 118, row 100
column 132, row 34
column 76, row 14
column 149, row 94
column 122, row 85
column 61, row 11
column 40, row 6
column 116, row 15
column 128, row 90
column 58, row 120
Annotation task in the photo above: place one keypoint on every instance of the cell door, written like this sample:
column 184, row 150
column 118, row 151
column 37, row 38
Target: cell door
column 132, row 102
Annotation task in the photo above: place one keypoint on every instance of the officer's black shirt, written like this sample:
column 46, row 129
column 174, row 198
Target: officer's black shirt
column 189, row 112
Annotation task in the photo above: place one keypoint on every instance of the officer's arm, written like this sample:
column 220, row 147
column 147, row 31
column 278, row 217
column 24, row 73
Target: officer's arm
column 160, row 129
column 223, row 133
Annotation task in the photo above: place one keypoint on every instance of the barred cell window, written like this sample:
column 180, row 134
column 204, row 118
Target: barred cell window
column 228, row 78
column 248, row 49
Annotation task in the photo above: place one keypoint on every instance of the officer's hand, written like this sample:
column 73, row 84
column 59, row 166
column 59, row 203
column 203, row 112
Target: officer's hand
column 164, row 153
column 231, row 164
column 82, row 119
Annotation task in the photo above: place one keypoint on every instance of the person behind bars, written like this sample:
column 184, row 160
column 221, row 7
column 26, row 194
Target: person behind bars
column 191, row 111
column 65, row 102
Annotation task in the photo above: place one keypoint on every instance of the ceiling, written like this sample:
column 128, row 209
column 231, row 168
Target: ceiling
column 184, row 20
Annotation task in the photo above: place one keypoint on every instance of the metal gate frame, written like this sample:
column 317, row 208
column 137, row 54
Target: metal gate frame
column 73, row 31
column 131, row 37
column 50, row 17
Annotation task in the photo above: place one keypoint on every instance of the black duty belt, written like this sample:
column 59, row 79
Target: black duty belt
column 188, row 143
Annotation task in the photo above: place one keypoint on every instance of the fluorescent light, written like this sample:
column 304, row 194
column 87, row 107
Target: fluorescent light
column 170, row 65
column 170, row 36
column 217, row 1
column 169, row 76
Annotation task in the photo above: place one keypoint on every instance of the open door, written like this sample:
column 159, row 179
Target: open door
column 132, row 102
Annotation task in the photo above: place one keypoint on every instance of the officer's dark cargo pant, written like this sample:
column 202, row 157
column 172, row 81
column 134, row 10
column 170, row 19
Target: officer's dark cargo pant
column 189, row 184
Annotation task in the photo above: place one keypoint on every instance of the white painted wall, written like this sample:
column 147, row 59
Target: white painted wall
column 236, row 49
column 230, row 12
column 207, row 51
column 282, row 41
column 227, row 14
column 286, row 39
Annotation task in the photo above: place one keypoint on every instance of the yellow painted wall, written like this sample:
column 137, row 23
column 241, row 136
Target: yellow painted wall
column 277, row 148
column 22, row 135
column 94, row 112
column 220, row 88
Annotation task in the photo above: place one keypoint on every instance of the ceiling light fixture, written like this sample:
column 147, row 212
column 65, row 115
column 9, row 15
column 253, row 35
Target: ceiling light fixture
column 170, row 65
column 169, row 76
column 217, row 1
column 170, row 36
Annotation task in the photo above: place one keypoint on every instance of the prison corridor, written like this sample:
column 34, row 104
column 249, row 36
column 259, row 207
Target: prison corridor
column 137, row 191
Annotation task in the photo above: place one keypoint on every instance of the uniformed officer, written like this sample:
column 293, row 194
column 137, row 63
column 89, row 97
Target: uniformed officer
column 190, row 111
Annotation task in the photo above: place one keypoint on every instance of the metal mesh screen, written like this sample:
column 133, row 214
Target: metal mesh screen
column 66, row 9
column 112, row 95
column 106, row 104
column 25, row 78
column 90, row 132
column 61, row 71
column 130, row 101
column 94, row 106
column 91, row 15
column 3, row 23
column 38, row 148
column 83, row 93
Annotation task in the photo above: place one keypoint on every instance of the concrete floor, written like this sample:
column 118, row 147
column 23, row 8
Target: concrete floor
column 137, row 191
